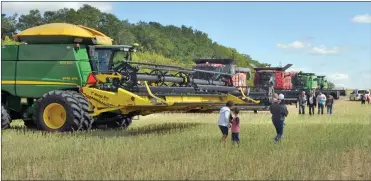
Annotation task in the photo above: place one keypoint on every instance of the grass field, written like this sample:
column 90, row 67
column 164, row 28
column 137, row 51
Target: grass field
column 185, row 146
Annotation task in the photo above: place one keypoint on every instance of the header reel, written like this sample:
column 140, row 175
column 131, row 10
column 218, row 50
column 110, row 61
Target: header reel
column 165, row 79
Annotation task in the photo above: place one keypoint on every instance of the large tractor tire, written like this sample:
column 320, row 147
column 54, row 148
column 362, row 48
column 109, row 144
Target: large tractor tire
column 123, row 121
column 58, row 111
column 30, row 124
column 5, row 118
column 336, row 95
column 87, row 120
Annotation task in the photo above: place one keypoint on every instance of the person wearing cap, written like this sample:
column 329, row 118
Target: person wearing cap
column 279, row 112
column 302, row 101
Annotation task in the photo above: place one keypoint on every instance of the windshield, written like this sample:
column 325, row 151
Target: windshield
column 363, row 91
column 107, row 58
column 210, row 69
column 213, row 67
column 103, row 57
column 120, row 56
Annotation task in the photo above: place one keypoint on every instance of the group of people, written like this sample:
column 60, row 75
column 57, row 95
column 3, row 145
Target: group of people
column 321, row 101
column 279, row 112
column 226, row 121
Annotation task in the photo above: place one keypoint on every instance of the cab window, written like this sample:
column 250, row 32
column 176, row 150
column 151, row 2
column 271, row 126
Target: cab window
column 120, row 56
column 103, row 57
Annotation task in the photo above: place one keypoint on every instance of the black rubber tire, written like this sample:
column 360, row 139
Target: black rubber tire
column 87, row 120
column 336, row 95
column 30, row 124
column 122, row 122
column 71, row 106
column 5, row 118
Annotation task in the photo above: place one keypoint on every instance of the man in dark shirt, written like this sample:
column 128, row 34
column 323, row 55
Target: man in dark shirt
column 312, row 102
column 279, row 112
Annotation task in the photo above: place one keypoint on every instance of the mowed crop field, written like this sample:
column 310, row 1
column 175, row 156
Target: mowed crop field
column 186, row 146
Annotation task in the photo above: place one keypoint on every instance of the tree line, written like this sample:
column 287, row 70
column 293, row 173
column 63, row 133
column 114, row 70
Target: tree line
column 179, row 44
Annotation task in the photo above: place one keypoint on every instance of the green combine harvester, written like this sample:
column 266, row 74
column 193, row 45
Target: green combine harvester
column 322, row 82
column 63, row 78
column 306, row 81
column 310, row 82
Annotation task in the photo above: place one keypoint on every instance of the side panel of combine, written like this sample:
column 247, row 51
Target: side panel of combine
column 43, row 68
column 9, row 56
column 83, row 63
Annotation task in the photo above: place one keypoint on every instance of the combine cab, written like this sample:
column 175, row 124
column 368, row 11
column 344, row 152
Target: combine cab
column 277, row 78
column 322, row 82
column 306, row 81
column 323, row 85
column 65, row 79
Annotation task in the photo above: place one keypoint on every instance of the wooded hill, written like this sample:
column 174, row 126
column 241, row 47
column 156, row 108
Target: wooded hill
column 158, row 43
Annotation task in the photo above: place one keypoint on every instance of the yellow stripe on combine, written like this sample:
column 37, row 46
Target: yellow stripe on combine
column 26, row 82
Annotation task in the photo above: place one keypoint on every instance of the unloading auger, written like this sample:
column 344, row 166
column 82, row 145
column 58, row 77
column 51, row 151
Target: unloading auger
column 163, row 88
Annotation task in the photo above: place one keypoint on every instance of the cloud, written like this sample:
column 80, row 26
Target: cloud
column 363, row 18
column 324, row 50
column 309, row 48
column 296, row 69
column 295, row 45
column 339, row 79
column 338, row 76
column 25, row 7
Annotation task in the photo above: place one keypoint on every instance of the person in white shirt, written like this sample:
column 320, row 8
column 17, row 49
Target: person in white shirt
column 225, row 118
column 321, row 100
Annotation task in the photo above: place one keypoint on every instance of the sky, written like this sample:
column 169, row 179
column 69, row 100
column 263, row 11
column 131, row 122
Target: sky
column 326, row 38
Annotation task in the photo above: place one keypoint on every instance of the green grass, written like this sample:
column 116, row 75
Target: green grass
column 186, row 146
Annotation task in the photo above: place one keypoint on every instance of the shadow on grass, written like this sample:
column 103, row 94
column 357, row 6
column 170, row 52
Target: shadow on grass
column 158, row 129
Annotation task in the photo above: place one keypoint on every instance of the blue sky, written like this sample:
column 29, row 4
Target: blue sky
column 329, row 38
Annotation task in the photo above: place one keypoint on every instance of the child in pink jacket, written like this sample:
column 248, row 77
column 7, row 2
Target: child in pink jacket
column 235, row 128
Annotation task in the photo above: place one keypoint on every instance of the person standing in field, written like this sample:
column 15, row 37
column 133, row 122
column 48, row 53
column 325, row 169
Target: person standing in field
column 321, row 99
column 224, row 121
column 311, row 103
column 279, row 112
column 302, row 101
column 329, row 104
column 363, row 98
column 235, row 128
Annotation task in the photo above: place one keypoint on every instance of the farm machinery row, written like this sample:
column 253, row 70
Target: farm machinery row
column 267, row 81
column 63, row 77
column 291, row 84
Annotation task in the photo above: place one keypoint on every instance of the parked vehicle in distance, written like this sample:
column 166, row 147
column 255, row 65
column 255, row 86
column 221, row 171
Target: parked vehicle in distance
column 356, row 94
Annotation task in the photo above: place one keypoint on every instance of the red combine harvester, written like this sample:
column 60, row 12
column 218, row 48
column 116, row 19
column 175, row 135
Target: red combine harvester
column 277, row 77
column 256, row 100
column 239, row 74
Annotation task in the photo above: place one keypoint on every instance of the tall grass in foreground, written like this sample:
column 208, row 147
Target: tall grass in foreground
column 186, row 146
